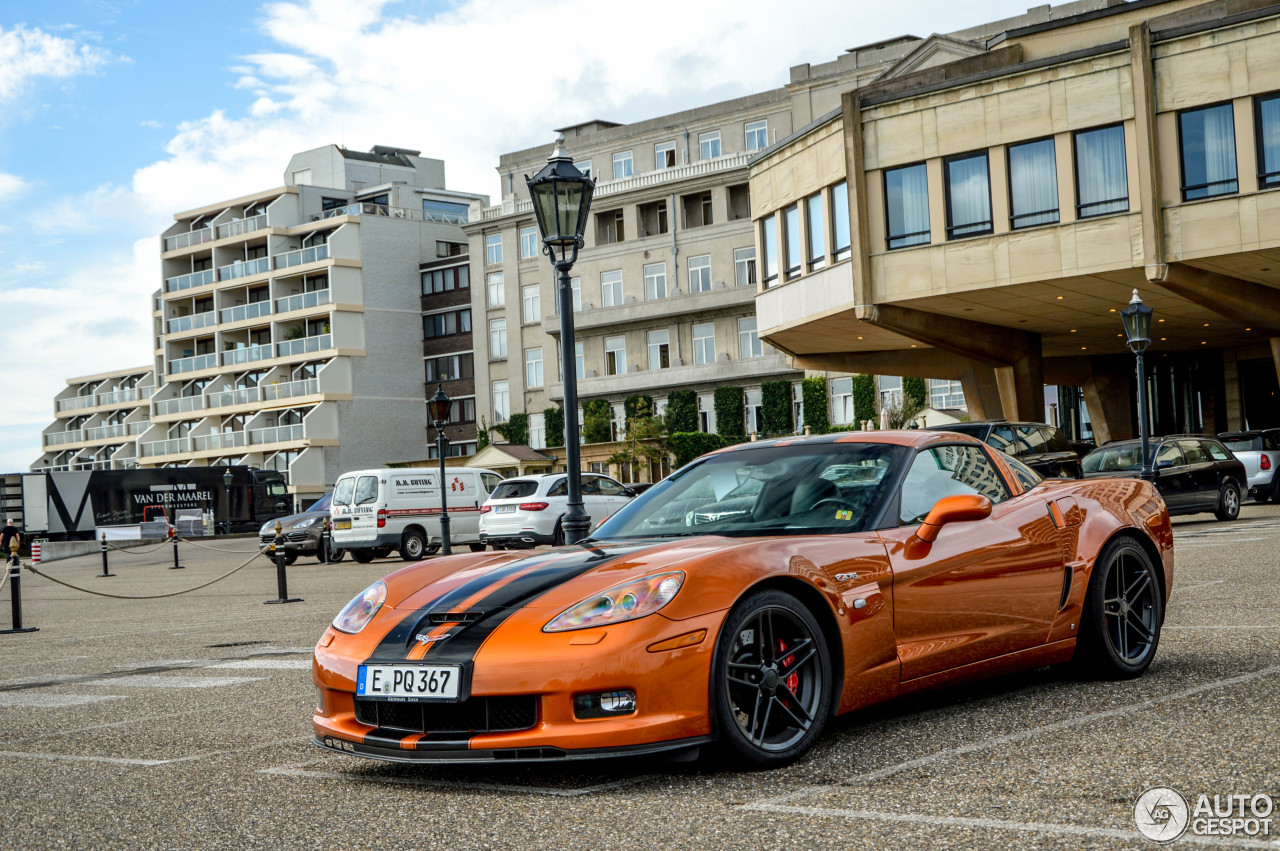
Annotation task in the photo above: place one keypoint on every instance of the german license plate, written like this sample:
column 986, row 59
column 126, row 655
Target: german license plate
column 342, row 524
column 409, row 682
column 505, row 509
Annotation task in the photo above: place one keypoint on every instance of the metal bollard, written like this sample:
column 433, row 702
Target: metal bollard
column 282, row 585
column 324, row 541
column 174, row 537
column 105, row 571
column 15, row 598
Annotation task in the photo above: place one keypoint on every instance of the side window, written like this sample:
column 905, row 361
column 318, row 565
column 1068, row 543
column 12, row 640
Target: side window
column 1194, row 451
column 1169, row 455
column 1003, row 438
column 609, row 487
column 366, row 489
column 1033, row 437
column 490, row 481
column 1026, row 476
column 560, row 488
column 1216, row 450
column 1055, row 440
column 1270, row 443
column 591, row 485
column 947, row 471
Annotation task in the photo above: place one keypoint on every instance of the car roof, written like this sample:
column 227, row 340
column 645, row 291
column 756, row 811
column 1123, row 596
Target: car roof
column 915, row 438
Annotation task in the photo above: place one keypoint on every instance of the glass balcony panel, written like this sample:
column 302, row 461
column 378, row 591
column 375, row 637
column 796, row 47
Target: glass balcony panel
column 277, row 434
column 228, row 398
column 242, row 226
column 192, row 364
column 289, row 390
column 222, row 440
column 252, row 310
column 101, row 432
column 244, row 268
column 58, row 438
column 186, row 240
column 301, row 301
column 186, row 282
column 196, row 320
column 248, row 354
column 173, row 446
column 181, row 405
column 75, row 403
column 305, row 344
column 310, row 254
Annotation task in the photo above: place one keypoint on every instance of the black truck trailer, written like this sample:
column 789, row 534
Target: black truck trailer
column 74, row 504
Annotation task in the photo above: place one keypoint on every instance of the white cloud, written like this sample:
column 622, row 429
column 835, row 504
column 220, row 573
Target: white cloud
column 11, row 186
column 29, row 53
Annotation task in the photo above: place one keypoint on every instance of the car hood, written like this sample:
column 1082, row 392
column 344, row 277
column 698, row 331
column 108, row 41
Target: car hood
column 292, row 520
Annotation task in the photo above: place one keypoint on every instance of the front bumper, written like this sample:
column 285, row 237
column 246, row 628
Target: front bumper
column 443, row 753
column 516, row 539
column 304, row 542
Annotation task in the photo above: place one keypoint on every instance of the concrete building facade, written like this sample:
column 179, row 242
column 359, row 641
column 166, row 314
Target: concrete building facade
column 97, row 421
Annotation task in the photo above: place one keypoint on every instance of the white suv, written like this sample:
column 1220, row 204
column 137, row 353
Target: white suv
column 527, row 511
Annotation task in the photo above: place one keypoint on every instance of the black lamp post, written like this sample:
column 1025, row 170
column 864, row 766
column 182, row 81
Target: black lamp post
column 561, row 199
column 438, row 406
column 226, row 500
column 1137, row 328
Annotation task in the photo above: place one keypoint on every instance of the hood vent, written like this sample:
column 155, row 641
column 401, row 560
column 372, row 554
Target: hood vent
column 455, row 617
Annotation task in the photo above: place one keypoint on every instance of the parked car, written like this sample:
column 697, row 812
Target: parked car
column 1259, row 451
column 378, row 511
column 526, row 511
column 1043, row 448
column 302, row 532
column 1194, row 472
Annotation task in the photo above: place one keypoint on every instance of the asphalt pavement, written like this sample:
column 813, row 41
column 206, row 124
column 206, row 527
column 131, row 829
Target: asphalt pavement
column 184, row 722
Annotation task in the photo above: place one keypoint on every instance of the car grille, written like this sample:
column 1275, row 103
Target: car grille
column 478, row 715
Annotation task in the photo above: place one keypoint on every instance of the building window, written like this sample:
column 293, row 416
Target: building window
column 1267, row 131
column 707, row 413
column 584, row 166
column 748, row 340
column 611, row 288
column 944, row 395
column 659, row 349
column 890, row 391
column 655, row 281
column 493, row 249
column 700, row 274
column 709, row 145
column 794, row 238
column 797, row 406
column 744, row 266
column 609, row 228
column 622, row 165
column 652, row 218
column 817, row 238
column 906, row 198
column 704, row 343
column 842, row 401
column 769, row 247
column 533, row 367
column 531, row 303
column 462, row 410
column 1033, row 184
column 537, row 431
column 501, row 402
column 664, row 155
column 442, row 280
column 757, row 135
column 840, row 221
column 755, row 422
column 450, row 367
column 1102, row 176
column 446, row 324
column 579, row 361
column 1208, row 141
column 497, row 338
column 697, row 209
column 575, row 286
column 528, row 243
column 968, row 195
column 615, row 355
column 497, row 290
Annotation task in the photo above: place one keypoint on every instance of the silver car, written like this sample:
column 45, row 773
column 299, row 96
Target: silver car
column 526, row 511
column 1259, row 451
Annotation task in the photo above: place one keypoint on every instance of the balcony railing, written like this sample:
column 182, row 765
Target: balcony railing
column 244, row 268
column 126, row 394
column 242, row 226
column 304, row 345
column 301, row 301
column 138, row 427
column 181, row 405
column 195, row 320
column 186, row 240
column 223, row 440
column 399, row 213
column 173, row 446
column 75, row 403
column 102, row 432
column 193, row 364
column 310, row 254
column 58, row 438
column 248, row 354
column 186, row 282
column 305, row 387
column 241, row 312
column 227, row 398
column 124, row 464
column 277, row 434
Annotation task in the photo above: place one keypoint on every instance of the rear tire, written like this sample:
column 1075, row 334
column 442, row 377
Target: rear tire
column 290, row 557
column 413, row 545
column 382, row 552
column 1228, row 502
column 363, row 556
column 1122, row 616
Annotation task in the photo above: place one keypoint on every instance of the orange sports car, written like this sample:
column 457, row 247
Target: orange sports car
column 745, row 600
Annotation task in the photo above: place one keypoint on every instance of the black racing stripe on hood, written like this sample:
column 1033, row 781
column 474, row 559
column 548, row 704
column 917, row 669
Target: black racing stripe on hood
column 551, row 571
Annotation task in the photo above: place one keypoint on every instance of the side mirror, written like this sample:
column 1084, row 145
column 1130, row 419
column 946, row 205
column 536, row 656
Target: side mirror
column 953, row 509
column 628, row 492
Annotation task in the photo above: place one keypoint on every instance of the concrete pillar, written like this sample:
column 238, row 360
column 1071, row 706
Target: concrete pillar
column 1108, row 395
column 981, row 392
column 1021, row 387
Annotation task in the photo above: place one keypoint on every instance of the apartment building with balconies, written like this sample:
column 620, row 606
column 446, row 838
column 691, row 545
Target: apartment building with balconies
column 287, row 318
column 97, row 419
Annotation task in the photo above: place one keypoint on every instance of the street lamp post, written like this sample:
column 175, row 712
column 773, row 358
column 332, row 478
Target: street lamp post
column 439, row 409
column 226, row 502
column 561, row 197
column 1137, row 328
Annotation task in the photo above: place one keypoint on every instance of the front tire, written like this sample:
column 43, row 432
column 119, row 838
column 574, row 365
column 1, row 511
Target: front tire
column 1123, row 614
column 363, row 556
column 335, row 553
column 770, row 680
column 1228, row 502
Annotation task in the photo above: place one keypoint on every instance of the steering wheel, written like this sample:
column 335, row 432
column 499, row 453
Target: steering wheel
column 831, row 500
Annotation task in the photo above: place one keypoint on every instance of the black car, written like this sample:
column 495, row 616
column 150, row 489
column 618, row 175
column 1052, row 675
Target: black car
column 302, row 532
column 1043, row 448
column 1194, row 473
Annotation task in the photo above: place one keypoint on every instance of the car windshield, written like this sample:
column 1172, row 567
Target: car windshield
column 1123, row 457
column 342, row 493
column 1245, row 443
column 517, row 489
column 823, row 489
column 322, row 504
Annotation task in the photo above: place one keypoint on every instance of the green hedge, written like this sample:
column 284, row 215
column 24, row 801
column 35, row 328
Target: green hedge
column 595, row 421
column 775, row 408
column 864, row 397
column 554, row 419
column 637, row 407
column 515, row 430
column 731, row 413
column 682, row 411
column 688, row 445
column 814, row 391
column 916, row 390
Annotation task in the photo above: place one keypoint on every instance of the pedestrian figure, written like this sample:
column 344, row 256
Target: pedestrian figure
column 7, row 535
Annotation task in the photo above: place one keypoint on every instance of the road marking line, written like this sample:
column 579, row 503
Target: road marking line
column 454, row 784
column 158, row 681
column 59, row 757
column 1250, row 626
column 267, row 664
column 53, row 701
column 1001, row 824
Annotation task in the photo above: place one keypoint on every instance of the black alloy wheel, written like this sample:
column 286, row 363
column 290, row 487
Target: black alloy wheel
column 1228, row 502
column 771, row 680
column 1123, row 613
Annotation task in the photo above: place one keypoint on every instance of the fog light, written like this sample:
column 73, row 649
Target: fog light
column 604, row 705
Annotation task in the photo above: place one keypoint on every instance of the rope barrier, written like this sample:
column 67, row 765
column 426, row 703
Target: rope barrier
column 216, row 549
column 243, row 565
column 136, row 550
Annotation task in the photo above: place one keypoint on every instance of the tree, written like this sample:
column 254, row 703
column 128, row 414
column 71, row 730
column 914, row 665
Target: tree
column 682, row 411
column 902, row 412
column 644, row 443
column 637, row 407
column 554, row 419
column 775, row 408
column 595, row 421
column 864, row 397
column 731, row 412
column 814, row 392
column 917, row 390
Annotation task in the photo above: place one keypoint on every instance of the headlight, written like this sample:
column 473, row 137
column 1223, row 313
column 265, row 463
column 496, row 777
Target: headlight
column 302, row 524
column 626, row 602
column 360, row 611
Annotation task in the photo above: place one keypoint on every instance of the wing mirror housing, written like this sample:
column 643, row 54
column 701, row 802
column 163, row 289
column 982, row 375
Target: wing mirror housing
column 953, row 509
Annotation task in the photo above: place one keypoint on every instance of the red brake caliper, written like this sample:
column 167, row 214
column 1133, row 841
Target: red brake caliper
column 792, row 681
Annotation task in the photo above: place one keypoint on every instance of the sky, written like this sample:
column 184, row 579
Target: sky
column 116, row 114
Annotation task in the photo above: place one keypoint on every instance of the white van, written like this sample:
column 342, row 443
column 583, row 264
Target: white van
column 377, row 511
